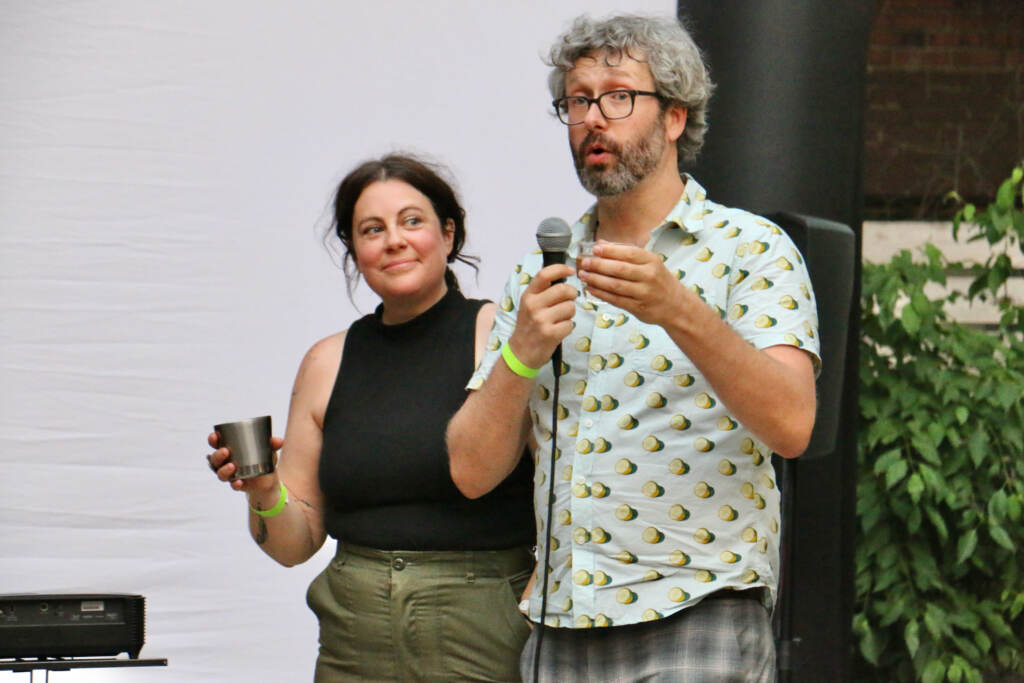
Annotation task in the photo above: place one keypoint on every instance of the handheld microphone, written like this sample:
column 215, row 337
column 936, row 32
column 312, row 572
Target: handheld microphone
column 553, row 237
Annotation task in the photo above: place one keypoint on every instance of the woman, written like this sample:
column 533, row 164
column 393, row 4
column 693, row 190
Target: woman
column 425, row 582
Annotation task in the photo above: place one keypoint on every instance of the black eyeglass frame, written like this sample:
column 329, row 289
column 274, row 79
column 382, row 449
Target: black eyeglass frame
column 597, row 100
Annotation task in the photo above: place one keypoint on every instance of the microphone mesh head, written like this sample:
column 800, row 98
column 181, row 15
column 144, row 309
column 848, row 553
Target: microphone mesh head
column 553, row 234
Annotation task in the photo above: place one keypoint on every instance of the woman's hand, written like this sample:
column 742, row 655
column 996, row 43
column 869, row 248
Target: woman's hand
column 220, row 462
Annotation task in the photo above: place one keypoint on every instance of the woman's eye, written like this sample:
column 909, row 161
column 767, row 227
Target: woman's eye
column 413, row 220
column 372, row 229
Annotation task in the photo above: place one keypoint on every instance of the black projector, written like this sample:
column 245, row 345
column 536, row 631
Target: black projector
column 87, row 625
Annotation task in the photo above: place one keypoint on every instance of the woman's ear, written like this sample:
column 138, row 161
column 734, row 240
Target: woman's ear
column 448, row 232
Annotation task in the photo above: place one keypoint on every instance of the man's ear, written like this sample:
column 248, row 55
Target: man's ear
column 675, row 121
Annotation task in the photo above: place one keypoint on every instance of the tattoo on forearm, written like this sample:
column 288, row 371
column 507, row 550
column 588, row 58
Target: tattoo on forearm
column 261, row 528
column 304, row 502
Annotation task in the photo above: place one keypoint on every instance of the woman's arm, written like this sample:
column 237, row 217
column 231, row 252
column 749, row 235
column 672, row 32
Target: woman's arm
column 297, row 533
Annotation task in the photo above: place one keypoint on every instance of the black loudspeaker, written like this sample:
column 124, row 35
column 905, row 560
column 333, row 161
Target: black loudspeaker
column 830, row 251
column 785, row 132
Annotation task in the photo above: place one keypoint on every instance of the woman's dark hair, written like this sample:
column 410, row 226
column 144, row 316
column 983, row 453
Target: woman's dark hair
column 425, row 177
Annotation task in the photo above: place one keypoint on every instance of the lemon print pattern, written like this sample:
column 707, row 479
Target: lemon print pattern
column 678, row 558
column 661, row 496
column 652, row 490
column 679, row 422
column 678, row 512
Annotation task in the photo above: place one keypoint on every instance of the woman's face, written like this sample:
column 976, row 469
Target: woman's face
column 400, row 247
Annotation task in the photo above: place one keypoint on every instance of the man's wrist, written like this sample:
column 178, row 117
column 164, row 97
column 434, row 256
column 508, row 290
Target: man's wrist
column 515, row 364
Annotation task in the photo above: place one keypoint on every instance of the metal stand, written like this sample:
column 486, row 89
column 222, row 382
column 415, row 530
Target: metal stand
column 783, row 626
column 48, row 664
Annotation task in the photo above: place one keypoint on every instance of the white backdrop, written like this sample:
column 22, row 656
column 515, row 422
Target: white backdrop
column 165, row 170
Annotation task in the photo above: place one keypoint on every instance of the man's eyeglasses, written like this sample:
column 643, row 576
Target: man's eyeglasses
column 614, row 104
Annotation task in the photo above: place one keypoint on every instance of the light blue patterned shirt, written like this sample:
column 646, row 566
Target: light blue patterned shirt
column 661, row 497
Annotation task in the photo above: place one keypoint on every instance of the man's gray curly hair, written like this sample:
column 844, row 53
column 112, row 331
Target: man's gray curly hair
column 680, row 74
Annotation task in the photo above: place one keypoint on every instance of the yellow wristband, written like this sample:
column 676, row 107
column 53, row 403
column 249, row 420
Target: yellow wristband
column 276, row 510
column 516, row 365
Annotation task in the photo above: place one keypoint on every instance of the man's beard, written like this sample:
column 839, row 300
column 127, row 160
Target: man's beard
column 634, row 161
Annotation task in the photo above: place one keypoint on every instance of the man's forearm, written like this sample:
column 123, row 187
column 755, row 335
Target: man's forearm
column 770, row 391
column 487, row 435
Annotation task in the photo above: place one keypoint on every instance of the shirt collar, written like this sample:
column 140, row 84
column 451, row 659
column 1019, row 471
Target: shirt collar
column 687, row 215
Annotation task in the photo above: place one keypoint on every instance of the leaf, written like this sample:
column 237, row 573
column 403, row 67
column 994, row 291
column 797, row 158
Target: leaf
column 910, row 319
column 910, row 636
column 983, row 641
column 869, row 646
column 938, row 522
column 914, row 520
column 915, row 487
column 1000, row 536
column 935, row 672
column 966, row 545
column 887, row 459
column 961, row 414
column 1013, row 507
column 997, row 506
column 956, row 670
column 977, row 445
column 1009, row 395
column 1004, row 196
column 895, row 473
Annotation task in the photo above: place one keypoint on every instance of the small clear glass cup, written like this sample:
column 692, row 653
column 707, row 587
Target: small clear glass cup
column 586, row 249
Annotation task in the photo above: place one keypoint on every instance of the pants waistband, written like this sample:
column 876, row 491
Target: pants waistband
column 504, row 562
column 749, row 594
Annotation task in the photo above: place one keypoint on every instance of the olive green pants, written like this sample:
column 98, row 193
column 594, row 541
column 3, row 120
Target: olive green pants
column 420, row 615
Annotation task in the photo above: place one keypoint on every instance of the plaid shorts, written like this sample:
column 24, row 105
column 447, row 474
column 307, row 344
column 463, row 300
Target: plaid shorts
column 721, row 640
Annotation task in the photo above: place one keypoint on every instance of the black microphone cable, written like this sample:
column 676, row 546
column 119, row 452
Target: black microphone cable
column 554, row 237
column 556, row 364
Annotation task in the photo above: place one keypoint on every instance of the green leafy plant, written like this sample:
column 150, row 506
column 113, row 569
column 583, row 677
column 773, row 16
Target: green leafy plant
column 940, row 490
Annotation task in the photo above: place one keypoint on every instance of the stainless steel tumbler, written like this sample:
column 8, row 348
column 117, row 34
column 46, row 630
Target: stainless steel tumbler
column 249, row 443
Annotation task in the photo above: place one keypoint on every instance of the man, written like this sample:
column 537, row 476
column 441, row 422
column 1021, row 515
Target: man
column 696, row 362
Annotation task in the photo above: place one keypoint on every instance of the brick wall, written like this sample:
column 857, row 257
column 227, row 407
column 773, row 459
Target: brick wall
column 944, row 105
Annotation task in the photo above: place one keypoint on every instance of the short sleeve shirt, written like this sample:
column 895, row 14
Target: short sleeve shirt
column 661, row 497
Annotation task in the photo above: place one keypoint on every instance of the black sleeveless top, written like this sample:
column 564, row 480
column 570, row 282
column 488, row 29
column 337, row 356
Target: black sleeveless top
column 384, row 464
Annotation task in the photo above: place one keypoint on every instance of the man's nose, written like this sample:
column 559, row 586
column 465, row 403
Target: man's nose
column 595, row 117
